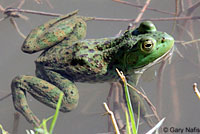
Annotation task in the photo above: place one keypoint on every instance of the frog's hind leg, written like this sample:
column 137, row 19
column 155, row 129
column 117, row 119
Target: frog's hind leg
column 69, row 27
column 43, row 91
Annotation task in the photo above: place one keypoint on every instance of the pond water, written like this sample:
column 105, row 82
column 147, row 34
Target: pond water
column 177, row 100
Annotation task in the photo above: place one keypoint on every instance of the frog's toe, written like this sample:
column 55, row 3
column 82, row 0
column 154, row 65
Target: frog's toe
column 28, row 48
column 70, row 100
column 34, row 120
column 66, row 107
column 149, row 120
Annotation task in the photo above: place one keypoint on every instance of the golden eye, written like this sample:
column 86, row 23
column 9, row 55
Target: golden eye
column 147, row 46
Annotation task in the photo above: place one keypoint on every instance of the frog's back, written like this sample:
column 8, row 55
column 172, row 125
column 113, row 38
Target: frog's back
column 82, row 61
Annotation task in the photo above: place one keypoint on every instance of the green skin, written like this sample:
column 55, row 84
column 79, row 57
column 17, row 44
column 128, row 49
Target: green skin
column 67, row 58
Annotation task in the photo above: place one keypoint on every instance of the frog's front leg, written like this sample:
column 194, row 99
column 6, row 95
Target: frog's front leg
column 43, row 91
column 138, row 102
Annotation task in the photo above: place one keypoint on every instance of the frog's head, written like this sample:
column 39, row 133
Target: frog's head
column 148, row 47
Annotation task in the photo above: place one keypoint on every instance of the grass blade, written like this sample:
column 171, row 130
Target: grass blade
column 56, row 113
column 156, row 127
column 128, row 129
column 130, row 109
column 2, row 130
column 138, row 119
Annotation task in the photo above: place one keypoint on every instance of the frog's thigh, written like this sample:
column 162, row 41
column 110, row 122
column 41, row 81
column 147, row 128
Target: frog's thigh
column 42, row 90
column 63, row 83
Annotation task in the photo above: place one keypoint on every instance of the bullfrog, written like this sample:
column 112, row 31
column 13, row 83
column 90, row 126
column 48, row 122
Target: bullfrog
column 68, row 58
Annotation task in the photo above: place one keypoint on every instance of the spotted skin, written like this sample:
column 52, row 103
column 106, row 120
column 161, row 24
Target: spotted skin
column 67, row 58
column 69, row 27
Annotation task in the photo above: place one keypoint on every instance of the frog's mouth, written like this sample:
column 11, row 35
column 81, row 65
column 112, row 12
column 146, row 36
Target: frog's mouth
column 164, row 57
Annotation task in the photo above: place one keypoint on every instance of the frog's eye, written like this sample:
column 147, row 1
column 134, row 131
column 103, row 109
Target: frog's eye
column 147, row 45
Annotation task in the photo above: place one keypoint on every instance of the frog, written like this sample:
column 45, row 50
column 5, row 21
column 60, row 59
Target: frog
column 67, row 57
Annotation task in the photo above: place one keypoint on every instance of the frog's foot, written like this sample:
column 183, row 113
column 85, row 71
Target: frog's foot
column 21, row 104
column 43, row 91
